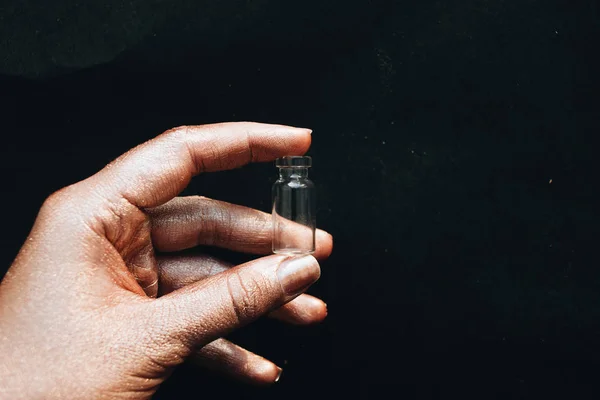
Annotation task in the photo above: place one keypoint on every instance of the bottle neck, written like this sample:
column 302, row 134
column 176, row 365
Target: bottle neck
column 293, row 173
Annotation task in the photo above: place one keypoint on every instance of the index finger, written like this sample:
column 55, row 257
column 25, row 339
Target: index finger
column 156, row 171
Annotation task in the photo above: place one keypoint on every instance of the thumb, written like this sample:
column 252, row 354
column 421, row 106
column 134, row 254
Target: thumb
column 200, row 313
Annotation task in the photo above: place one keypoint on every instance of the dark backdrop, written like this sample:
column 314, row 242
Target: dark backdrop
column 455, row 158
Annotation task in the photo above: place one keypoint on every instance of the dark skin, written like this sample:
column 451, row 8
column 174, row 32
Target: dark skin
column 88, row 310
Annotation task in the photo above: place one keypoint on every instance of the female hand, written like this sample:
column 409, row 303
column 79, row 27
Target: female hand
column 88, row 309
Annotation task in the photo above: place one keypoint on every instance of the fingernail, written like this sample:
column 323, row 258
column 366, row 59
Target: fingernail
column 278, row 375
column 297, row 274
column 302, row 130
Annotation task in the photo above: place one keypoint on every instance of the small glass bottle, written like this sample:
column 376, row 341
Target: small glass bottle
column 294, row 207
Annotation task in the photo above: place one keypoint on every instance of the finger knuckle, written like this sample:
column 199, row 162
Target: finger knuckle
column 264, row 229
column 223, row 223
column 247, row 295
column 176, row 131
column 200, row 199
column 182, row 140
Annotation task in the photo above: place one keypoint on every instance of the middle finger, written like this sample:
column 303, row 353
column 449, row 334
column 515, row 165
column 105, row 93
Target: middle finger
column 186, row 222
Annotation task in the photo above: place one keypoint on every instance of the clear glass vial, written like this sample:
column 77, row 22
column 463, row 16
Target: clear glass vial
column 294, row 207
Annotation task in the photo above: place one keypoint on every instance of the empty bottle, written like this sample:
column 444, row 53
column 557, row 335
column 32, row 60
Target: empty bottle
column 294, row 207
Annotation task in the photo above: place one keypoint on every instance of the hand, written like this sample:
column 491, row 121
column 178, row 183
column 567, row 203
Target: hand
column 88, row 310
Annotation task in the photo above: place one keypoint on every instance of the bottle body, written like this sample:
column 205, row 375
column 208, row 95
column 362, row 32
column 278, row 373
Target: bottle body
column 294, row 208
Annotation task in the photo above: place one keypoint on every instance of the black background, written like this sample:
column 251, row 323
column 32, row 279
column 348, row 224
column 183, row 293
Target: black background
column 454, row 147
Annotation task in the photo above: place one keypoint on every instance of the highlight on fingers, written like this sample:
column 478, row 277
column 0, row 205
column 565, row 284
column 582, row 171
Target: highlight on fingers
column 303, row 310
column 156, row 171
column 176, row 272
column 222, row 356
column 236, row 362
column 212, row 308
